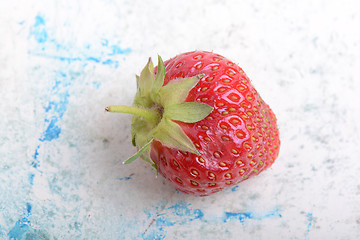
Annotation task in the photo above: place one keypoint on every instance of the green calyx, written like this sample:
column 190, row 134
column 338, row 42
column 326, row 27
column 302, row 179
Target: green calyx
column 156, row 108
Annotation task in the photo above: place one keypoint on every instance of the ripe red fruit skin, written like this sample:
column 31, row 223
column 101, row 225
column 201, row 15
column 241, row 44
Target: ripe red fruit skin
column 239, row 138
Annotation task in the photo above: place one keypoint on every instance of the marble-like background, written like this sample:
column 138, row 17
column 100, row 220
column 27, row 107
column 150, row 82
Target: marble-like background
column 62, row 62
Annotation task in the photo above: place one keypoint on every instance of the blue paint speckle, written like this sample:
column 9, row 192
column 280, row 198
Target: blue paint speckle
column 310, row 222
column 35, row 161
column 56, row 107
column 28, row 209
column 154, row 235
column 111, row 62
column 65, row 59
column 105, row 42
column 183, row 209
column 108, row 62
column 235, row 188
column 59, row 107
column 36, row 154
column 116, row 50
column 96, row 84
column 38, row 31
column 39, row 21
column 229, row 216
column 52, row 131
column 274, row 213
column 124, row 178
column 163, row 221
column 94, row 59
column 22, row 225
column 31, row 178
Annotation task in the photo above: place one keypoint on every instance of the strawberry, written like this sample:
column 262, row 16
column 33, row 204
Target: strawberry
column 199, row 121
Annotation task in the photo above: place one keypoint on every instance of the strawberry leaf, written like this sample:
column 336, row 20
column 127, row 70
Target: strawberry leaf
column 177, row 91
column 170, row 134
column 139, row 153
column 188, row 112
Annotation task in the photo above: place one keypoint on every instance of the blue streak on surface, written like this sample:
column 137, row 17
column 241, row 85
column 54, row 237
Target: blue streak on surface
column 111, row 62
column 71, row 54
column 52, row 131
column 182, row 213
column 22, row 225
column 242, row 216
column 107, row 62
column 182, row 209
column 54, row 110
column 51, row 48
column 57, row 57
column 274, row 213
column 310, row 222
column 94, row 59
column 56, row 107
column 35, row 161
column 116, row 50
column 124, row 178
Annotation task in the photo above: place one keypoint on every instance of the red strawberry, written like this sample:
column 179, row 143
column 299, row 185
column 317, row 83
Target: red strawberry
column 201, row 123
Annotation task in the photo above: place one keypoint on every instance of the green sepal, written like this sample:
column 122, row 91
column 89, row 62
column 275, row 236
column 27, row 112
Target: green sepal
column 144, row 83
column 146, row 79
column 189, row 112
column 139, row 131
column 154, row 165
column 156, row 107
column 178, row 90
column 139, row 153
column 171, row 135
column 159, row 81
column 133, row 140
column 137, row 82
column 146, row 158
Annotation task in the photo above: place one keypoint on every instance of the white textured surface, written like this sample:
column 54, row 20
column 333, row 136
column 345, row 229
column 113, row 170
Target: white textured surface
column 62, row 62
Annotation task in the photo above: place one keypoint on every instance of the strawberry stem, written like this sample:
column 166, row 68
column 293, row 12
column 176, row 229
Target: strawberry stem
column 151, row 116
